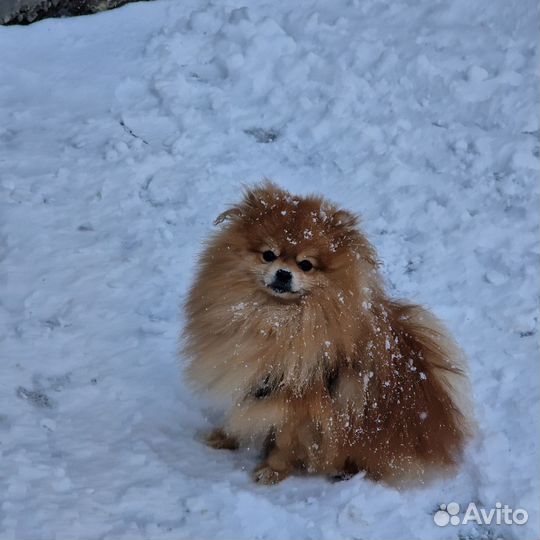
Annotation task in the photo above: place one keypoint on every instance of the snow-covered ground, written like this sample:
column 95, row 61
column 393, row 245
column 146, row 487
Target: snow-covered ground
column 123, row 134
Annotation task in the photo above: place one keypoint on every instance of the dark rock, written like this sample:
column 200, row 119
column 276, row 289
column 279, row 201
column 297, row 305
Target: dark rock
column 264, row 136
column 29, row 11
column 36, row 397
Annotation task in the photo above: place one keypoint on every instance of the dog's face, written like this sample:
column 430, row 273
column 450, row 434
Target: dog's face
column 291, row 247
column 287, row 273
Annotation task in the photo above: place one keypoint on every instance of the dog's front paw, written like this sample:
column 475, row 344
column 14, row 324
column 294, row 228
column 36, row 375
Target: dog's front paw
column 219, row 440
column 341, row 477
column 268, row 476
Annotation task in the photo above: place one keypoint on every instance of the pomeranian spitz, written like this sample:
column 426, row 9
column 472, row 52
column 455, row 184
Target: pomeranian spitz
column 290, row 329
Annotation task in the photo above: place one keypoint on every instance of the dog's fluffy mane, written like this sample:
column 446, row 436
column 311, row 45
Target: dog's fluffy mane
column 344, row 379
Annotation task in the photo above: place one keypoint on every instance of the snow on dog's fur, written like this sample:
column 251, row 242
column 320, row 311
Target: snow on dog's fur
column 288, row 322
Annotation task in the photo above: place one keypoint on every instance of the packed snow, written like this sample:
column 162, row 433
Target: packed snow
column 124, row 134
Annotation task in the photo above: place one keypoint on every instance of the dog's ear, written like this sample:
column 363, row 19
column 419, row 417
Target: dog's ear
column 230, row 214
column 347, row 223
column 255, row 200
column 345, row 220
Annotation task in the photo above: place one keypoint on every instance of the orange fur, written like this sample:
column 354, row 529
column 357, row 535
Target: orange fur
column 334, row 377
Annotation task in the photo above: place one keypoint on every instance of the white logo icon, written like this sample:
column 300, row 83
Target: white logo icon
column 447, row 513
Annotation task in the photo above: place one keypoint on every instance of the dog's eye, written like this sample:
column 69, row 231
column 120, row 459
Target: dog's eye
column 305, row 265
column 269, row 256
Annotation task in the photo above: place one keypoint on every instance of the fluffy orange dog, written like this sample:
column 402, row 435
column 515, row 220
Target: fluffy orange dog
column 289, row 324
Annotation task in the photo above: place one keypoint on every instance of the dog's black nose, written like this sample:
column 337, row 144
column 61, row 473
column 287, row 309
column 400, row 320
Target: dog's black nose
column 283, row 276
